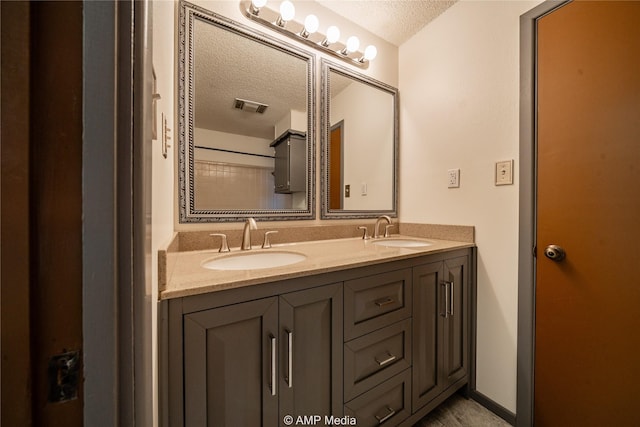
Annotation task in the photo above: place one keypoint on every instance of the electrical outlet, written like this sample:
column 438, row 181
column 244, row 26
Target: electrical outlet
column 453, row 178
column 504, row 172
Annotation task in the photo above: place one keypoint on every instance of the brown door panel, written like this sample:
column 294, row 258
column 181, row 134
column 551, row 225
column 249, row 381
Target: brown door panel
column 587, row 314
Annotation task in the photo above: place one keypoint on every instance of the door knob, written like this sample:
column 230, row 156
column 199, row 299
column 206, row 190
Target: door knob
column 555, row 253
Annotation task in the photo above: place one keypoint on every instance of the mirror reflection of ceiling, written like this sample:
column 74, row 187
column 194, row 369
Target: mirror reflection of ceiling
column 259, row 73
column 394, row 21
column 338, row 83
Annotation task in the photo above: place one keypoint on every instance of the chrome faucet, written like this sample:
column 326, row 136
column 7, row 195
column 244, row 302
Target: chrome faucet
column 249, row 224
column 382, row 218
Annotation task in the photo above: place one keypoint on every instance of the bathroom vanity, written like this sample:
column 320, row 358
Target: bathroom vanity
column 334, row 330
column 358, row 331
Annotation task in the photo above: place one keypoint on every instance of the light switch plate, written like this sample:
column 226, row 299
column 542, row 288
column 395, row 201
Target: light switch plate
column 504, row 172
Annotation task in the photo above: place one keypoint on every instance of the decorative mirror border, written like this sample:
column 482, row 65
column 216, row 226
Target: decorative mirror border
column 187, row 212
column 325, row 212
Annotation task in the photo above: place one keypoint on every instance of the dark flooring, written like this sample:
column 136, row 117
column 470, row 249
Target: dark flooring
column 460, row 412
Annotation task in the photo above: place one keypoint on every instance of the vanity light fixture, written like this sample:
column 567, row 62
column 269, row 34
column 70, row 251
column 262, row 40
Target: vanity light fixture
column 283, row 22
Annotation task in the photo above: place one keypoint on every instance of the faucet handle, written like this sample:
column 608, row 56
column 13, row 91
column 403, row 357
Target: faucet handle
column 266, row 244
column 224, row 247
column 386, row 229
column 365, row 234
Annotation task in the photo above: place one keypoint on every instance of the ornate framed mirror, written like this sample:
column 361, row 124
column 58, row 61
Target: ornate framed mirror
column 359, row 145
column 246, row 106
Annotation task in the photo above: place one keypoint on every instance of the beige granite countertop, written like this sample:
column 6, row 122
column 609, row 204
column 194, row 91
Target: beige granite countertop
column 186, row 276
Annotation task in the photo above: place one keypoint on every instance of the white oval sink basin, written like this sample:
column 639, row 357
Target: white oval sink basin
column 254, row 260
column 402, row 243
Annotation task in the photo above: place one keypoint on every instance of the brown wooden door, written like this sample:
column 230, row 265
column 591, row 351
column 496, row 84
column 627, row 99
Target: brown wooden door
column 41, row 286
column 588, row 305
column 335, row 167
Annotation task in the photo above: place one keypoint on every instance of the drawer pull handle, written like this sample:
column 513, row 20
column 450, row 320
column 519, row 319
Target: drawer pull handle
column 390, row 358
column 382, row 418
column 384, row 301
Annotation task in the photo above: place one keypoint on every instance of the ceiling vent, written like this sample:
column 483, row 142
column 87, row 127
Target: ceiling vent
column 250, row 106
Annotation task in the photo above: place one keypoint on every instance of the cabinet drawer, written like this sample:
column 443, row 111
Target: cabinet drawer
column 376, row 301
column 388, row 404
column 376, row 357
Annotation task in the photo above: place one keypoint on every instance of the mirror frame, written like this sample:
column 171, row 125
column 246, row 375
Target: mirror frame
column 188, row 13
column 326, row 213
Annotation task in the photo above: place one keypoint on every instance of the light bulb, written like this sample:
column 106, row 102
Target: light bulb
column 256, row 5
column 352, row 44
column 333, row 34
column 287, row 10
column 370, row 52
column 311, row 24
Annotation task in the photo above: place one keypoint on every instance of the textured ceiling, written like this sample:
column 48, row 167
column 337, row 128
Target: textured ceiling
column 393, row 20
column 228, row 66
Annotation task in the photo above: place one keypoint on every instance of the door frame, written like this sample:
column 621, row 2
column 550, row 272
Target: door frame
column 527, row 209
column 116, row 225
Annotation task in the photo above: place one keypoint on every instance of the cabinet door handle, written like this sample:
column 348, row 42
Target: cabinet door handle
column 444, row 313
column 273, row 364
column 448, row 298
column 382, row 418
column 290, row 358
column 451, row 284
column 383, row 361
column 384, row 301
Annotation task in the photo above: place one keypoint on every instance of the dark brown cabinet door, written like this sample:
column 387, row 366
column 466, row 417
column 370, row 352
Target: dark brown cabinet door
column 455, row 323
column 230, row 364
column 427, row 322
column 311, row 352
column 252, row 363
column 440, row 327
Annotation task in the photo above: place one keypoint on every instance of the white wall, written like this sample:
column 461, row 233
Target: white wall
column 459, row 86
column 368, row 119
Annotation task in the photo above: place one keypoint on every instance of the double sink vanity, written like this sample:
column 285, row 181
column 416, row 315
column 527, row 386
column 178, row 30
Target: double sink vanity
column 317, row 325
column 367, row 331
